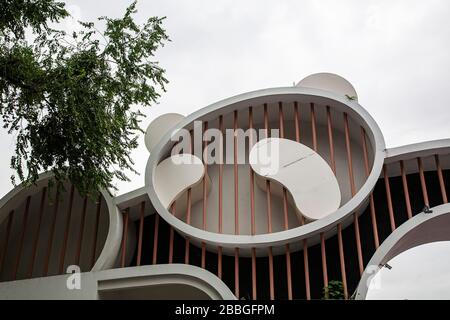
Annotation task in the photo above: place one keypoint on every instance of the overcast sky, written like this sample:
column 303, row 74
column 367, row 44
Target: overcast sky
column 418, row 273
column 395, row 53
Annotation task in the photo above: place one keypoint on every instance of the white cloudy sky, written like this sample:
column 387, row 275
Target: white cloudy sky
column 396, row 54
column 419, row 273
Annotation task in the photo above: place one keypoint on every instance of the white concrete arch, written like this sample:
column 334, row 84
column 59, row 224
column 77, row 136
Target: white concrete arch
column 144, row 282
column 109, row 249
column 421, row 229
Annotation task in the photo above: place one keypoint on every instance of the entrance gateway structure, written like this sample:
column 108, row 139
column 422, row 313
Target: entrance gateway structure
column 307, row 195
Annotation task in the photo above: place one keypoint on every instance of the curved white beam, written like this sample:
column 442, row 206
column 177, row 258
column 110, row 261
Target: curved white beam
column 420, row 149
column 97, row 284
column 155, row 276
column 412, row 233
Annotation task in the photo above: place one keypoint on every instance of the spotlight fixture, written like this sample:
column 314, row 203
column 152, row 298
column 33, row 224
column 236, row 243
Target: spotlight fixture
column 427, row 210
column 387, row 266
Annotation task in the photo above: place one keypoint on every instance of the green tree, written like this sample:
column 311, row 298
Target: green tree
column 73, row 101
column 334, row 291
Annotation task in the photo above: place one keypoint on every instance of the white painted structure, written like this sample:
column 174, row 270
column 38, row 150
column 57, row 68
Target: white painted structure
column 330, row 158
column 349, row 204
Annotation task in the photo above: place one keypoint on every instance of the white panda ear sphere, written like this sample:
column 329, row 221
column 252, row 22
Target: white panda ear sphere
column 159, row 127
column 330, row 82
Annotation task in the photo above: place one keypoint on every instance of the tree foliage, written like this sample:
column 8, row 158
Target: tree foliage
column 333, row 291
column 73, row 101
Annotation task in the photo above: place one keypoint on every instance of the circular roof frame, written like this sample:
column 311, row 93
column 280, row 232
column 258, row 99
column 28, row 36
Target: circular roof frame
column 108, row 254
column 230, row 241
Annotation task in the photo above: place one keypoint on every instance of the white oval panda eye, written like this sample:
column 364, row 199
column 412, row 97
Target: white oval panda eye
column 175, row 175
column 302, row 171
column 159, row 127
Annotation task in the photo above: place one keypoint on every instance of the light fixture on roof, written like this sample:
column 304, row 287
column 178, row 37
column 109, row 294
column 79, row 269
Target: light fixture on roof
column 427, row 210
column 385, row 265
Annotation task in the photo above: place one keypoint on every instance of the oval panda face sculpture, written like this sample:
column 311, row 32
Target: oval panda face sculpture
column 218, row 205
